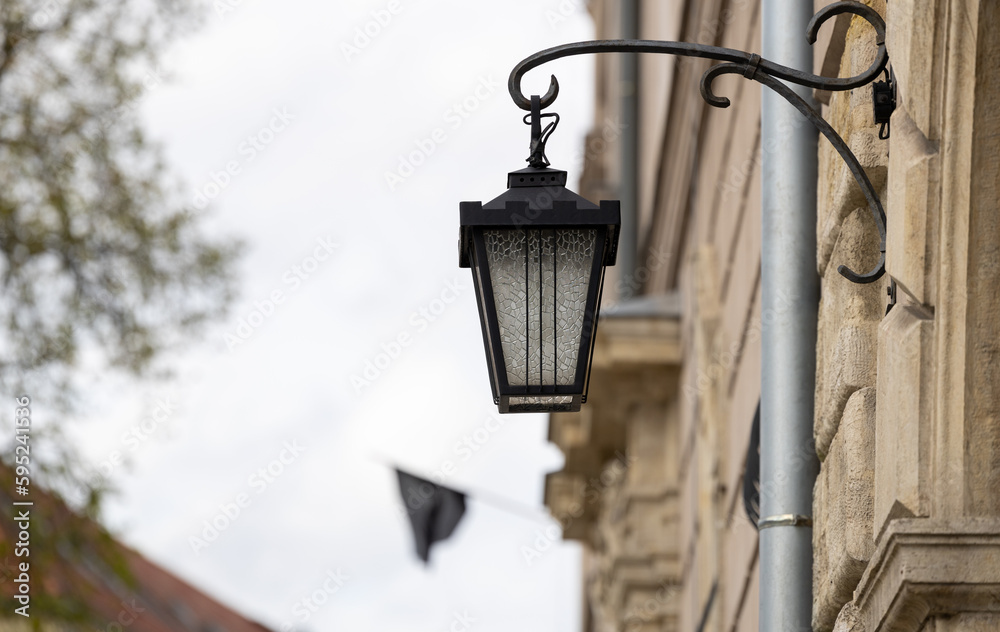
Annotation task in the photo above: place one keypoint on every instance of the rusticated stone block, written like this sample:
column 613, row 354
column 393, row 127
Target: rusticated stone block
column 844, row 509
column 846, row 342
column 852, row 368
column 850, row 114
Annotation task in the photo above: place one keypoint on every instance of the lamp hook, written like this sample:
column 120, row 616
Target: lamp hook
column 539, row 136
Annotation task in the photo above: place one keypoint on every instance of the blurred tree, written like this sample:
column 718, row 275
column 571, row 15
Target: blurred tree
column 100, row 264
column 94, row 246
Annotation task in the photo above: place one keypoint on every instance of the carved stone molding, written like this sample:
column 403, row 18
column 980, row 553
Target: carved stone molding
column 924, row 568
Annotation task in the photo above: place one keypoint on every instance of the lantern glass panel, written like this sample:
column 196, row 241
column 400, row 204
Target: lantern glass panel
column 540, row 279
column 541, row 404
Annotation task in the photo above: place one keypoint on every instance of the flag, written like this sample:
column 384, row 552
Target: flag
column 434, row 511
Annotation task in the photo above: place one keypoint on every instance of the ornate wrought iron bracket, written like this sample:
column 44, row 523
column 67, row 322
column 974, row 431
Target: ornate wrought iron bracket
column 751, row 66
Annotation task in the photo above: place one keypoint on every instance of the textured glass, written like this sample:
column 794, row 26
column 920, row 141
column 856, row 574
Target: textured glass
column 506, row 254
column 540, row 281
column 574, row 259
column 544, row 403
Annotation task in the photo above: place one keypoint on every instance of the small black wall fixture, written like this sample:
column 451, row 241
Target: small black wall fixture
column 538, row 251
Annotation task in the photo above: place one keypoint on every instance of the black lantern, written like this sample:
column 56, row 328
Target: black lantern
column 537, row 254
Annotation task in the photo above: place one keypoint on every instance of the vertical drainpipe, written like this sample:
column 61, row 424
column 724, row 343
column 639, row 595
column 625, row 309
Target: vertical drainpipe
column 629, row 192
column 789, row 303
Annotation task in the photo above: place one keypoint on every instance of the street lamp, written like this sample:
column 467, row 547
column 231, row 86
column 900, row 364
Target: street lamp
column 539, row 295
column 538, row 253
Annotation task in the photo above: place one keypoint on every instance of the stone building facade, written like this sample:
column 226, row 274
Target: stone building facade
column 906, row 511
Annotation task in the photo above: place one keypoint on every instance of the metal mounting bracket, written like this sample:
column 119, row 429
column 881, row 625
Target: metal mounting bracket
column 884, row 102
column 751, row 66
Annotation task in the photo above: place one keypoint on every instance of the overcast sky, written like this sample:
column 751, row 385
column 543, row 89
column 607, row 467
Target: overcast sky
column 356, row 339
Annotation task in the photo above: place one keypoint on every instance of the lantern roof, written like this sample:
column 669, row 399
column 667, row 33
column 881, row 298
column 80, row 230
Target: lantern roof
column 540, row 188
column 538, row 197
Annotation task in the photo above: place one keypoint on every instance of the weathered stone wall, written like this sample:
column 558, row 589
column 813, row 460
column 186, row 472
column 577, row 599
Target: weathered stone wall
column 906, row 507
column 847, row 341
column 907, row 412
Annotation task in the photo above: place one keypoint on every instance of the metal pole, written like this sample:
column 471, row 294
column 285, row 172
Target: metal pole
column 789, row 294
column 629, row 190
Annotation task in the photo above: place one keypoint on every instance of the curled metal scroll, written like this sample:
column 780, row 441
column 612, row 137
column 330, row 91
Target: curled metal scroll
column 754, row 67
column 874, row 204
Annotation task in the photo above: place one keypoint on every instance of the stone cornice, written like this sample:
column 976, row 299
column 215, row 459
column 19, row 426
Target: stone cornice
column 924, row 567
